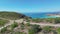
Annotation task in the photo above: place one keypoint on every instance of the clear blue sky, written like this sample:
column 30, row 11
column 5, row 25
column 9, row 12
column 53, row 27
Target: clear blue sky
column 30, row 5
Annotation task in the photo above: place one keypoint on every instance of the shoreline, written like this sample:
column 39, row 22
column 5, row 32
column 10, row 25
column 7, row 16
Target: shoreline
column 55, row 15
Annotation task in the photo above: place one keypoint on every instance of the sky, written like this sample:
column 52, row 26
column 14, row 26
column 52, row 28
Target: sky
column 30, row 6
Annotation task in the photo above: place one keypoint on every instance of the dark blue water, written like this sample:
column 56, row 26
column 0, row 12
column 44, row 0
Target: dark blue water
column 38, row 15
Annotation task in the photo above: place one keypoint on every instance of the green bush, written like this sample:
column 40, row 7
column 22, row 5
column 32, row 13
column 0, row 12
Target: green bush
column 37, row 20
column 58, row 30
column 28, row 24
column 22, row 33
column 34, row 29
column 14, row 25
column 47, row 28
column 31, row 31
column 22, row 26
column 2, row 22
column 3, row 29
column 57, row 20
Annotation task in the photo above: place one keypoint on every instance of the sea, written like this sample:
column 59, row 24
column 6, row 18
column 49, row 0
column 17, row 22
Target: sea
column 39, row 15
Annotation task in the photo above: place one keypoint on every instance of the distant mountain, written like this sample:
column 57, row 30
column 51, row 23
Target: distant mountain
column 52, row 12
column 40, row 13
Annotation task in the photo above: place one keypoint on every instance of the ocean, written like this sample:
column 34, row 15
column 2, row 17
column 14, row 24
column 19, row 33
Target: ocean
column 39, row 15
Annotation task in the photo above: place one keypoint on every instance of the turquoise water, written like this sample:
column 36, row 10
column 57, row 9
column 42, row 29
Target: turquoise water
column 39, row 15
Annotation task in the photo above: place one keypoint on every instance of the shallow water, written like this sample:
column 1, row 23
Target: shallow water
column 39, row 15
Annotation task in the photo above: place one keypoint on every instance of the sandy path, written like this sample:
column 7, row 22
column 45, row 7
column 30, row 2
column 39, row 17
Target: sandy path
column 21, row 20
column 11, row 22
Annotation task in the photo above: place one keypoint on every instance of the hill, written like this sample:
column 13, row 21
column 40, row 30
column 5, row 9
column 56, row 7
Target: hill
column 12, row 15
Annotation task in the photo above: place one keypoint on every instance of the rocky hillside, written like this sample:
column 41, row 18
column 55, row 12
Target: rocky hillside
column 12, row 15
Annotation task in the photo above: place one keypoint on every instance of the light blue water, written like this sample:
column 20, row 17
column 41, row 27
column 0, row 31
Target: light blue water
column 39, row 15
